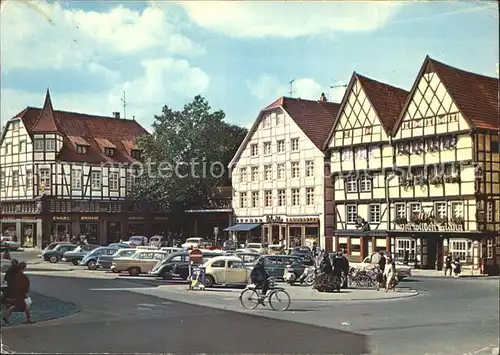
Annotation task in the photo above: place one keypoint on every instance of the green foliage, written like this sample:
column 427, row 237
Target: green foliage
column 188, row 153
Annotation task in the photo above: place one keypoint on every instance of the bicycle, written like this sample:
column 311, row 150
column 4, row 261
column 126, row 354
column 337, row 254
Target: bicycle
column 276, row 294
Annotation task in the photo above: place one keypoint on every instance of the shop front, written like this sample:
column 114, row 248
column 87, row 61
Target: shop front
column 113, row 231
column 358, row 244
column 89, row 227
column 25, row 230
column 61, row 228
column 137, row 226
column 160, row 225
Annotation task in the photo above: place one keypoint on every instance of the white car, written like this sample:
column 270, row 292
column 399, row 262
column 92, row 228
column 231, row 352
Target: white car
column 170, row 250
column 226, row 270
column 255, row 246
column 137, row 240
column 403, row 271
column 192, row 242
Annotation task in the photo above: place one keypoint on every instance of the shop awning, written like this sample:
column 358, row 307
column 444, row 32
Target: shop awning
column 244, row 227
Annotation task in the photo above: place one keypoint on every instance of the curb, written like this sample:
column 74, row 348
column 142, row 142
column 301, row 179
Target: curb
column 47, row 270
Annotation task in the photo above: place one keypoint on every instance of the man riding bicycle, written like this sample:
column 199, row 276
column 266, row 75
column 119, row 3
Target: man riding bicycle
column 260, row 277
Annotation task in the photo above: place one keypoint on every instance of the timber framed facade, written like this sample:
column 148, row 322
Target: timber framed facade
column 65, row 174
column 434, row 175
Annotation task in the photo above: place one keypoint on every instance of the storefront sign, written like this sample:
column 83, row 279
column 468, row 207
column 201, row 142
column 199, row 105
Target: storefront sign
column 136, row 218
column 274, row 219
column 89, row 218
column 18, row 217
column 160, row 218
column 303, row 220
column 431, row 227
column 61, row 218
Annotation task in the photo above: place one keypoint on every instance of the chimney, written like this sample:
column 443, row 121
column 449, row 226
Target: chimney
column 323, row 98
column 116, row 115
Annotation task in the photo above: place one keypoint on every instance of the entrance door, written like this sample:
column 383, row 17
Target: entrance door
column 432, row 249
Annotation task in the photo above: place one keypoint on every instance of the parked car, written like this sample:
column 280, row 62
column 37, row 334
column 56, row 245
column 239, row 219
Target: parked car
column 56, row 254
column 9, row 243
column 50, row 247
column 248, row 258
column 192, row 242
column 275, row 249
column 170, row 250
column 105, row 261
column 90, row 260
column 139, row 263
column 156, row 241
column 164, row 268
column 119, row 245
column 137, row 240
column 275, row 265
column 369, row 262
column 76, row 255
column 256, row 247
column 181, row 269
column 226, row 270
column 305, row 254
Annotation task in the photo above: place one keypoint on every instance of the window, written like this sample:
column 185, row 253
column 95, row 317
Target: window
column 267, row 121
column 114, row 181
column 81, row 149
column 76, row 179
column 351, row 184
column 243, row 174
column 267, row 148
column 44, row 176
column 268, row 172
column 50, row 145
column 456, row 209
column 29, row 180
column 279, row 118
column 219, row 264
column 281, row 146
column 109, row 152
column 415, row 209
column 347, row 133
column 96, row 180
column 403, row 245
column 346, row 155
column 310, row 168
column 131, row 180
column 268, row 198
column 255, row 173
column 352, row 213
column 440, row 209
column 15, row 125
column 136, row 154
column 255, row 199
column 461, row 249
column 374, row 215
column 310, row 196
column 295, row 144
column 243, row 200
column 400, row 210
column 39, row 145
column 489, row 211
column 235, row 264
column 295, row 169
column 281, row 171
column 254, row 150
column 15, row 180
column 365, row 183
column 495, row 146
column 489, row 248
column 295, row 197
column 8, row 148
column 22, row 146
column 281, row 198
column 361, row 154
column 2, row 179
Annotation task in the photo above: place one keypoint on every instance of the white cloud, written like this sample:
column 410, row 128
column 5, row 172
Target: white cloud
column 58, row 37
column 255, row 19
column 268, row 88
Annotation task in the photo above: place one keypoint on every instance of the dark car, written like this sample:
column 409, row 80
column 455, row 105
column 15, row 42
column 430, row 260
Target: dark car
column 248, row 258
column 56, row 254
column 105, row 261
column 119, row 245
column 177, row 264
column 76, row 255
column 90, row 260
column 305, row 254
column 50, row 247
column 4, row 246
column 182, row 269
column 275, row 264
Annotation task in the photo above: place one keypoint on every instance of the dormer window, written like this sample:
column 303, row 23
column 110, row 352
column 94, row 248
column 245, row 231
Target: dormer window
column 39, row 145
column 81, row 149
column 50, row 145
column 136, row 154
column 109, row 151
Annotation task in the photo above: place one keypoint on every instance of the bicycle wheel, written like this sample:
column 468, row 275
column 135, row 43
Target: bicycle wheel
column 279, row 300
column 249, row 299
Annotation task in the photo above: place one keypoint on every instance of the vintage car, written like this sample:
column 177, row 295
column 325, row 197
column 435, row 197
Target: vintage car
column 8, row 243
column 56, row 254
column 275, row 249
column 257, row 247
column 171, row 250
column 403, row 271
column 76, row 255
column 137, row 240
column 141, row 262
column 248, row 258
column 90, row 260
column 275, row 265
column 192, row 242
column 155, row 241
column 226, row 270
column 177, row 264
column 105, row 261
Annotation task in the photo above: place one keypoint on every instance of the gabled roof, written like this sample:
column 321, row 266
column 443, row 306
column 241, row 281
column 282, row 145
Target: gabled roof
column 46, row 121
column 84, row 129
column 475, row 95
column 314, row 118
column 386, row 100
column 104, row 143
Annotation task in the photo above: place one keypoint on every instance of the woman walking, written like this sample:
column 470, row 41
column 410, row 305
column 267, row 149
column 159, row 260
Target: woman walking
column 390, row 275
column 19, row 301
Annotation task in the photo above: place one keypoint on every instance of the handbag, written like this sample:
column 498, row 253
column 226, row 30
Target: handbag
column 28, row 302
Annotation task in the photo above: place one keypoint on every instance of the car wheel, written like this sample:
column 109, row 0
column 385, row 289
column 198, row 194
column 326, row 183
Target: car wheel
column 134, row 271
column 53, row 259
column 92, row 265
column 75, row 262
column 115, row 271
column 166, row 275
column 209, row 281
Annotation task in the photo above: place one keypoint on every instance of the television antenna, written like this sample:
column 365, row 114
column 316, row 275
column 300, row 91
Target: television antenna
column 291, row 82
column 335, row 87
column 124, row 103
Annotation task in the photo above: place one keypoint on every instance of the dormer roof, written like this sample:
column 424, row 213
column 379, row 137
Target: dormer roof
column 77, row 140
column 104, row 143
column 46, row 121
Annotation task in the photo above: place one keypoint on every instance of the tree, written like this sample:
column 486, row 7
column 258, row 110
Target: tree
column 187, row 154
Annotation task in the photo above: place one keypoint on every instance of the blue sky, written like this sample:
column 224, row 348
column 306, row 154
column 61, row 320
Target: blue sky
column 239, row 55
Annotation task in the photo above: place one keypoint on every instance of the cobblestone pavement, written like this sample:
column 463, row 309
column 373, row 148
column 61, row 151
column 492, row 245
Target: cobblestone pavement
column 44, row 308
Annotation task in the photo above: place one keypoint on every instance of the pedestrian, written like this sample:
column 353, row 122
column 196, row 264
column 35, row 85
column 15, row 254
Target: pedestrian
column 457, row 268
column 6, row 255
column 381, row 263
column 9, row 279
column 448, row 264
column 390, row 275
column 345, row 270
column 19, row 300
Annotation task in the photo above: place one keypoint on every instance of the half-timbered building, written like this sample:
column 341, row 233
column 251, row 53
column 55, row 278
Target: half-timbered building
column 69, row 174
column 278, row 173
column 446, row 194
column 360, row 158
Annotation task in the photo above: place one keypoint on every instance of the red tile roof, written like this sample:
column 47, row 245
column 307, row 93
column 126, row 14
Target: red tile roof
column 46, row 121
column 79, row 126
column 104, row 143
column 78, row 141
column 475, row 95
column 387, row 100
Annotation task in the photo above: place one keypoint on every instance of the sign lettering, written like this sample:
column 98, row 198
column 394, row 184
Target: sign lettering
column 136, row 218
column 89, row 218
column 274, row 219
column 431, row 227
column 160, row 218
column 61, row 218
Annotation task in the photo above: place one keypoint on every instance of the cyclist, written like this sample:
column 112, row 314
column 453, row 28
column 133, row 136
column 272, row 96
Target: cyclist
column 260, row 277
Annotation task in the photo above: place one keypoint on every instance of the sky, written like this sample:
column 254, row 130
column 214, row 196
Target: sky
column 241, row 56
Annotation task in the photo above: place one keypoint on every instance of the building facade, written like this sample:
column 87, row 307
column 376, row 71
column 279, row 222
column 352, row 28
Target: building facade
column 427, row 180
column 278, row 174
column 69, row 174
